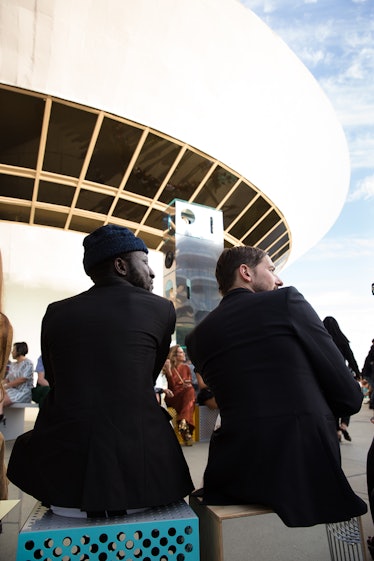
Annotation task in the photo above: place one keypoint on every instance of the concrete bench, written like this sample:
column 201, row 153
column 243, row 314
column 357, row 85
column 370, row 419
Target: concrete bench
column 255, row 533
column 14, row 424
column 162, row 533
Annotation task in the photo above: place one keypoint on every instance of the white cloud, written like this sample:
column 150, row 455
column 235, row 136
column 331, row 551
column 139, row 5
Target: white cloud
column 353, row 101
column 364, row 190
column 361, row 147
column 311, row 57
column 335, row 41
column 335, row 277
column 347, row 249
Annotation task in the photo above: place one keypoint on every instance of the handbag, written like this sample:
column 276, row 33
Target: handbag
column 39, row 393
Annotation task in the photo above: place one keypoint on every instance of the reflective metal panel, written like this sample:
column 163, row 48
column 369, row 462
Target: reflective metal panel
column 192, row 245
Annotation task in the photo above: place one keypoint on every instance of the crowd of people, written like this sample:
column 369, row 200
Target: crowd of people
column 107, row 445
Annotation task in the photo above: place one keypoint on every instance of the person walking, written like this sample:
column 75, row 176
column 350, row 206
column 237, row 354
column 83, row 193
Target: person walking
column 342, row 342
column 368, row 373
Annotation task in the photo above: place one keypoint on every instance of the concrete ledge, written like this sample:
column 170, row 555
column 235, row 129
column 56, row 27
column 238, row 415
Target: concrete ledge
column 14, row 424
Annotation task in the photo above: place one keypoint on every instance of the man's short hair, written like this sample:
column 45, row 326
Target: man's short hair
column 230, row 259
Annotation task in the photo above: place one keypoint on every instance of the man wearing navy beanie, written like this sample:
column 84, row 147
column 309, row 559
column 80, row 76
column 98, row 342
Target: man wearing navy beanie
column 102, row 445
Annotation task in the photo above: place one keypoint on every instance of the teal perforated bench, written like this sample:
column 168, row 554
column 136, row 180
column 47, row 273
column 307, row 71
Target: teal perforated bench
column 168, row 533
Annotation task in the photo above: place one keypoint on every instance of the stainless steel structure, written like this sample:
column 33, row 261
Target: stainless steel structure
column 192, row 244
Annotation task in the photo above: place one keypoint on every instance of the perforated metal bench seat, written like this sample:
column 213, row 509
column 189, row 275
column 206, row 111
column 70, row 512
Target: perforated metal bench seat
column 169, row 533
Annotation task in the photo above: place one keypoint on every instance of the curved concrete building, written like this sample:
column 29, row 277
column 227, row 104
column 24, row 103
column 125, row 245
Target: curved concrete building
column 111, row 109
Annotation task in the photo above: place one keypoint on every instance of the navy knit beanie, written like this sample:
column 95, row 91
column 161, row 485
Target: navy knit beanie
column 109, row 241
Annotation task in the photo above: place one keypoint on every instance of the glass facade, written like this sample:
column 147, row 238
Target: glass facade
column 68, row 166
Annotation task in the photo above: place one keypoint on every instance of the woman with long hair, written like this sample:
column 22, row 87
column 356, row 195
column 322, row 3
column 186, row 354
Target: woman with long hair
column 178, row 375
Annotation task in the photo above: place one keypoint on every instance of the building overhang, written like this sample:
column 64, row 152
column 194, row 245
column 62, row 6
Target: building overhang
column 214, row 108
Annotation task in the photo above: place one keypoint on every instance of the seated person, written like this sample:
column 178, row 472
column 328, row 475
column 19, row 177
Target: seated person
column 6, row 332
column 178, row 375
column 102, row 445
column 366, row 390
column 260, row 336
column 18, row 381
column 42, row 386
column 205, row 395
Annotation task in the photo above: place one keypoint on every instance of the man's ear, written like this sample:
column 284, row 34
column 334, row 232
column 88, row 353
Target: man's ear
column 120, row 266
column 245, row 273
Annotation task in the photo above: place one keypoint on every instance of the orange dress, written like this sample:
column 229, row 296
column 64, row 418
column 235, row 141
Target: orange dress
column 183, row 400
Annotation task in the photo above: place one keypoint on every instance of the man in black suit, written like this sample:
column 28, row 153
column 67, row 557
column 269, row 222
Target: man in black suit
column 101, row 444
column 279, row 382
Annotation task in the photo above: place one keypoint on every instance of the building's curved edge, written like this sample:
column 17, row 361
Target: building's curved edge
column 228, row 86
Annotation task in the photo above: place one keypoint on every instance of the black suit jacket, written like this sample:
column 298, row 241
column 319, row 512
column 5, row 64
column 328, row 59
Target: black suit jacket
column 279, row 381
column 101, row 441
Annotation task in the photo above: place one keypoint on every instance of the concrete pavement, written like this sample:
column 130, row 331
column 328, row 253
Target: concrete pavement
column 354, row 455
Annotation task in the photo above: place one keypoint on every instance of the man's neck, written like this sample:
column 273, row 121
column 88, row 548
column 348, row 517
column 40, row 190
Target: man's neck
column 109, row 280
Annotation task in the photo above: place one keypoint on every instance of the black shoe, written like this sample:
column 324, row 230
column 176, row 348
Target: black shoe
column 346, row 435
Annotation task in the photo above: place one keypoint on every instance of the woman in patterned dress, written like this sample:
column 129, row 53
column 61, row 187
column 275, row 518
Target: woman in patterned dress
column 18, row 381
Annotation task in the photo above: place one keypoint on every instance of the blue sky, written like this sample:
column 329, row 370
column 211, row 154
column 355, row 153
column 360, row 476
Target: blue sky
column 335, row 41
